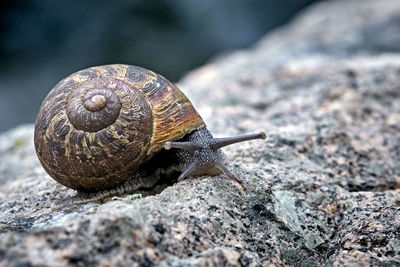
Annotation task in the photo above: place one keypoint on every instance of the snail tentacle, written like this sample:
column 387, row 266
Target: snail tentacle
column 231, row 176
column 217, row 143
column 188, row 146
column 187, row 171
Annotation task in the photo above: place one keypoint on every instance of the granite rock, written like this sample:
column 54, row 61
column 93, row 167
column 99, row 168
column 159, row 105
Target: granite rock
column 324, row 189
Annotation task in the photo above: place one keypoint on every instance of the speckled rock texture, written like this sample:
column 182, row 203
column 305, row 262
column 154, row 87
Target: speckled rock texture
column 324, row 189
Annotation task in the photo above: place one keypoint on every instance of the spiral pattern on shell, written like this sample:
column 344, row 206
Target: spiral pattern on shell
column 97, row 126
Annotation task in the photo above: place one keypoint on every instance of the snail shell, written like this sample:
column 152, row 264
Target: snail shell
column 97, row 126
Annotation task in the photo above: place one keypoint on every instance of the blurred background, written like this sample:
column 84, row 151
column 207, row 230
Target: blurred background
column 43, row 41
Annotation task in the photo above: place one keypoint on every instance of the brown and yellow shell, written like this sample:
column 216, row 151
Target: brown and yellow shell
column 97, row 126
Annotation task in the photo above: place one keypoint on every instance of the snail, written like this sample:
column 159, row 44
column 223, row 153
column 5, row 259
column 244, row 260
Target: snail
column 109, row 129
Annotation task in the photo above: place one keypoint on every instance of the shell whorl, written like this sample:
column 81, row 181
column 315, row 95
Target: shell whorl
column 93, row 109
column 97, row 126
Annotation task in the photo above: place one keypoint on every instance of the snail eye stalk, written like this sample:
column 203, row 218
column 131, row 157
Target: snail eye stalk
column 214, row 143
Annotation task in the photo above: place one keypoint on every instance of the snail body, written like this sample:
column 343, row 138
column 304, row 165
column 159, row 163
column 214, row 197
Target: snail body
column 97, row 127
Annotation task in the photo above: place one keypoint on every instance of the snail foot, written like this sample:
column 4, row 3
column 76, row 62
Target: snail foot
column 137, row 182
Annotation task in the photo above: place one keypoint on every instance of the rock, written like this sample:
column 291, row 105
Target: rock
column 324, row 189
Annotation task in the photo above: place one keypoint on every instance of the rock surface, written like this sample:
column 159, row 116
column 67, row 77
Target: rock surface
column 324, row 189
